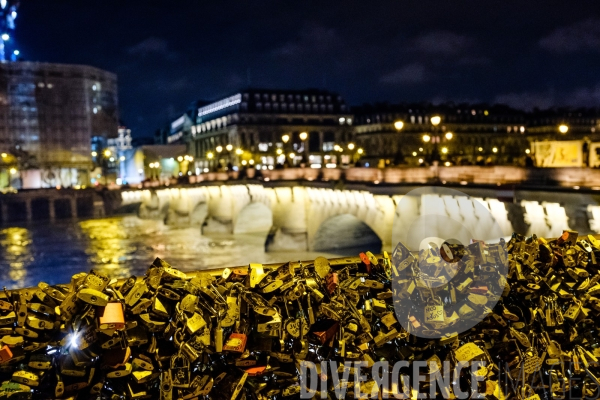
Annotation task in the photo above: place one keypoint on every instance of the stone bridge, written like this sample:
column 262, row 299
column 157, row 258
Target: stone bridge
column 319, row 217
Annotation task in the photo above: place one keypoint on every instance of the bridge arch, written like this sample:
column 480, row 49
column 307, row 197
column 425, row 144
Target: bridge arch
column 155, row 205
column 345, row 231
column 255, row 218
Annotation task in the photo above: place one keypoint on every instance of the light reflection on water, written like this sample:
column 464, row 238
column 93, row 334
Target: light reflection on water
column 121, row 246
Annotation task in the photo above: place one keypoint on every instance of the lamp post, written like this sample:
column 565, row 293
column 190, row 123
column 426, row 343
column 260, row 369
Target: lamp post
column 285, row 139
column 303, row 136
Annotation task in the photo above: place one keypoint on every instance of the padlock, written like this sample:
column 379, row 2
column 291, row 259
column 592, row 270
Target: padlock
column 93, row 297
column 180, row 371
column 5, row 354
column 236, row 343
column 434, row 312
column 111, row 317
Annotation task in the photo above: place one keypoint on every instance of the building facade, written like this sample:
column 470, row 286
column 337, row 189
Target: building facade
column 266, row 127
column 49, row 114
column 465, row 134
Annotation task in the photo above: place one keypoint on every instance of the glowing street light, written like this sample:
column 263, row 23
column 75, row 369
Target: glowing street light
column 445, row 150
column 112, row 159
column 350, row 146
column 292, row 155
column 449, row 135
column 360, row 151
column 210, row 155
column 219, row 149
column 229, row 147
column 16, row 52
column 563, row 128
column 279, row 151
column 239, row 152
column 180, row 159
column 480, row 149
column 5, row 37
column 13, row 171
column 414, row 153
column 107, row 153
column 122, row 158
column 527, row 151
column 426, row 138
column 303, row 136
column 285, row 138
column 495, row 149
column 399, row 125
column 435, row 120
column 94, row 154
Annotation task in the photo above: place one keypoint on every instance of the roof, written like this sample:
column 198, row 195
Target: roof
column 164, row 150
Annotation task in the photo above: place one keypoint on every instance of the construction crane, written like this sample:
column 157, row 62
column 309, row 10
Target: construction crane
column 8, row 14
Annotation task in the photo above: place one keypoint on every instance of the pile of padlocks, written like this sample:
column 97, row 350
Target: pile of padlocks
column 529, row 308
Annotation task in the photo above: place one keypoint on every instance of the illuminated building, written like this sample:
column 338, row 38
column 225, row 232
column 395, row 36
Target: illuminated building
column 467, row 134
column 51, row 112
column 255, row 121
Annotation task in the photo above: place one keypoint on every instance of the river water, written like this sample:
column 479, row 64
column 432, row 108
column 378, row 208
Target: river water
column 121, row 247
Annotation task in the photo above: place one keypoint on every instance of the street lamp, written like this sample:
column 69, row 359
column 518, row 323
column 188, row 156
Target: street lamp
column 350, row 146
column 229, row 147
column 360, row 151
column 292, row 155
column 94, row 154
column 435, row 120
column 107, row 153
column 303, row 136
column 426, row 138
column 563, row 128
column 239, row 151
column 285, row 138
column 445, row 150
column 449, row 135
column 399, row 125
column 219, row 149
column 210, row 155
column 279, row 152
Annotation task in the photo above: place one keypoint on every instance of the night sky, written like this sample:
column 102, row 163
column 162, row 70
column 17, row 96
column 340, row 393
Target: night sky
column 168, row 53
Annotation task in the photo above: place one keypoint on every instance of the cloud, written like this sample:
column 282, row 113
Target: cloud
column 172, row 85
column 581, row 97
column 152, row 46
column 580, row 36
column 313, row 39
column 442, row 42
column 473, row 61
column 409, row 74
column 527, row 100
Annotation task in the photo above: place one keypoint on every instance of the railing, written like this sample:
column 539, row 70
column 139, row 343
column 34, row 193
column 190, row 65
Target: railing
column 494, row 175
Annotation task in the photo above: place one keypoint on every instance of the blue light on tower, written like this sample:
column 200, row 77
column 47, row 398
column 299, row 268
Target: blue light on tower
column 8, row 14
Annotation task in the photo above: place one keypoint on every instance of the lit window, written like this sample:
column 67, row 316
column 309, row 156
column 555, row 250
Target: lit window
column 263, row 147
